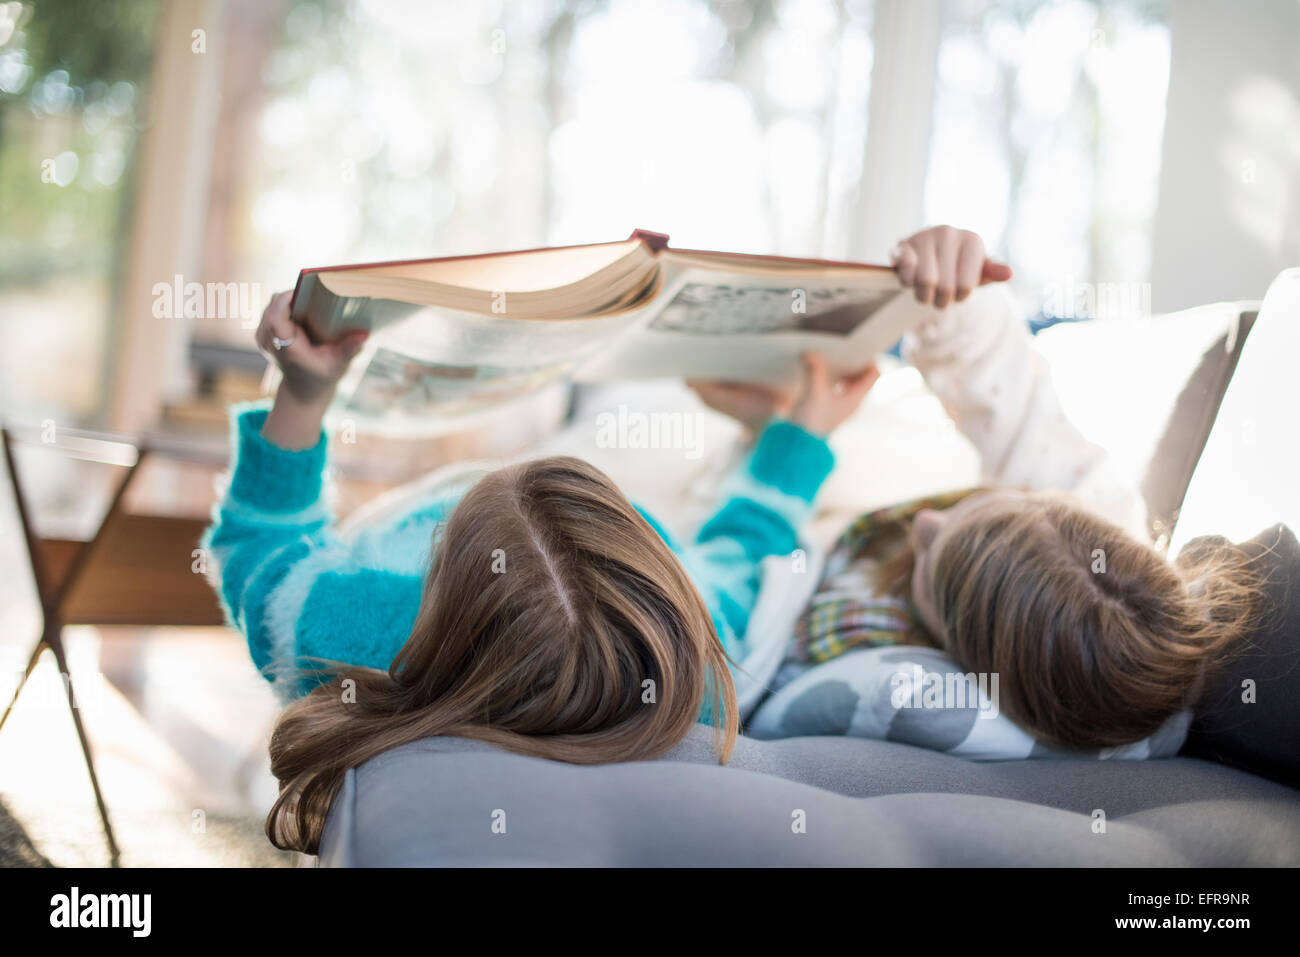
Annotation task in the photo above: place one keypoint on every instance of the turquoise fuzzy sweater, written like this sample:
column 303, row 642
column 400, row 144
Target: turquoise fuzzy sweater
column 298, row 590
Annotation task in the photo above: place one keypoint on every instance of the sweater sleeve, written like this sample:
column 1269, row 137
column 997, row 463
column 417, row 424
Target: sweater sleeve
column 765, row 504
column 978, row 359
column 286, row 579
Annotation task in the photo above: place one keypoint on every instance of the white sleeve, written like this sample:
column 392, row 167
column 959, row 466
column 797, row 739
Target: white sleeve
column 977, row 358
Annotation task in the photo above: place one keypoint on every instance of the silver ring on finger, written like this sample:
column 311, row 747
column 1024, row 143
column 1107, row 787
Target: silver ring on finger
column 281, row 343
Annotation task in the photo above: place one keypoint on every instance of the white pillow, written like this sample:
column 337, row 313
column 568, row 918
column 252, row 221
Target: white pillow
column 918, row 696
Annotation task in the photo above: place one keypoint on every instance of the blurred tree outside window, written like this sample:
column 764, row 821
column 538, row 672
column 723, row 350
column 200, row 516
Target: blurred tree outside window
column 1048, row 122
column 407, row 129
column 368, row 131
column 73, row 79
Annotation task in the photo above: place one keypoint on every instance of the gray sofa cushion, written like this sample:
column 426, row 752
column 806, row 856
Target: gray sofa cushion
column 866, row 803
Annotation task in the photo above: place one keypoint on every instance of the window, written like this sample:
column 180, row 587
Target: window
column 72, row 87
column 1048, row 120
column 382, row 133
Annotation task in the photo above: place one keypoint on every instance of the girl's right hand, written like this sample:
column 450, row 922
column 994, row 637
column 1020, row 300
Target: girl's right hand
column 819, row 404
column 824, row 401
column 311, row 371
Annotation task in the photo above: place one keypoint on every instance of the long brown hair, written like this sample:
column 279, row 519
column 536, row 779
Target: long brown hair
column 555, row 623
column 1096, row 637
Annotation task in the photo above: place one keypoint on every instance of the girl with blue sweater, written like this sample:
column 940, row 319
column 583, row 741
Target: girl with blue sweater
column 541, row 612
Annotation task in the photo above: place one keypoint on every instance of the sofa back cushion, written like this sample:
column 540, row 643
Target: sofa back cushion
column 1248, row 478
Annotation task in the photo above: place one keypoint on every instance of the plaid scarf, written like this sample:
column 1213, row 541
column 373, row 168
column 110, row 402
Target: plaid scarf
column 846, row 612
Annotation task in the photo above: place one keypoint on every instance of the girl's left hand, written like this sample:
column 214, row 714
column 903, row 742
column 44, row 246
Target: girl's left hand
column 943, row 264
column 311, row 370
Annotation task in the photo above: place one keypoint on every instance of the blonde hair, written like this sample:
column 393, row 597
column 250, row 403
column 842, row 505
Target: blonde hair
column 555, row 623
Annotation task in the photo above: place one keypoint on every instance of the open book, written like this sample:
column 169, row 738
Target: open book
column 466, row 334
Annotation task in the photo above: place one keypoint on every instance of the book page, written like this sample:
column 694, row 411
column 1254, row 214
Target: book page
column 744, row 327
column 530, row 271
column 397, row 386
column 435, row 365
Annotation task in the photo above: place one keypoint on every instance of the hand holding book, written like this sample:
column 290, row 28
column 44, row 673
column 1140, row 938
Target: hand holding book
column 820, row 404
column 310, row 373
column 943, row 264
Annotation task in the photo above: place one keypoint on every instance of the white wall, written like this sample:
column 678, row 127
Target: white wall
column 1228, row 217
